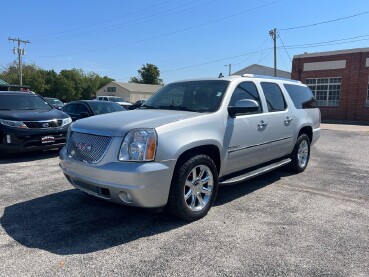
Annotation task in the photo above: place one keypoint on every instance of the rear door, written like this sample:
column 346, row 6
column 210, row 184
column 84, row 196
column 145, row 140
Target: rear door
column 247, row 135
column 280, row 121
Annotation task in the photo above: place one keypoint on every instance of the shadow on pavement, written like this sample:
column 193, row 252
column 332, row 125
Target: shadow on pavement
column 28, row 156
column 71, row 222
column 229, row 193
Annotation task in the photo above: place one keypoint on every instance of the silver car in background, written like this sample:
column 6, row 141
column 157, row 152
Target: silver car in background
column 189, row 138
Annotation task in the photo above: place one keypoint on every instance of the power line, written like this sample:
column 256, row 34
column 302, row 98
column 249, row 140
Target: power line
column 102, row 22
column 257, row 49
column 329, row 42
column 165, row 34
column 279, row 36
column 209, row 62
column 144, row 19
column 267, row 52
column 323, row 22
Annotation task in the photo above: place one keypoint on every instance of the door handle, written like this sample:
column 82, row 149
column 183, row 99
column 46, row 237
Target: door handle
column 288, row 120
column 262, row 124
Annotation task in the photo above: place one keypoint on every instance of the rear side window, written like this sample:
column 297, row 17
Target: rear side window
column 301, row 96
column 274, row 97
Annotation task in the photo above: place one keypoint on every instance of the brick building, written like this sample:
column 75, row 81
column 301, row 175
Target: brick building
column 339, row 81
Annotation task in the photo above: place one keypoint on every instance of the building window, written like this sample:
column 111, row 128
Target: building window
column 112, row 89
column 367, row 96
column 326, row 90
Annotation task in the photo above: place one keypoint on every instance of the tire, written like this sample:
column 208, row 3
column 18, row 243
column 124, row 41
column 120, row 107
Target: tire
column 194, row 188
column 301, row 154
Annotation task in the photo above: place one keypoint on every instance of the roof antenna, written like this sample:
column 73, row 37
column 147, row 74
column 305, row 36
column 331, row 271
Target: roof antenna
column 220, row 75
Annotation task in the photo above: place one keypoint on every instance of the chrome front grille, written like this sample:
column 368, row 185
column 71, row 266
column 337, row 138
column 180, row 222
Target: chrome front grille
column 86, row 147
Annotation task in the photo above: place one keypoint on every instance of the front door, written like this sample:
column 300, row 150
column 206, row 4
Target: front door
column 247, row 136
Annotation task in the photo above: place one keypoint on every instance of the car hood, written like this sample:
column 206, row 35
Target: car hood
column 32, row 115
column 119, row 123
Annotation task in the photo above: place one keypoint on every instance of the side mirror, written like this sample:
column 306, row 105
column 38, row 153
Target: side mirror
column 243, row 106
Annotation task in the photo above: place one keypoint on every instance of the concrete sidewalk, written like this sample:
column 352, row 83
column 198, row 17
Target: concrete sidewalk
column 344, row 127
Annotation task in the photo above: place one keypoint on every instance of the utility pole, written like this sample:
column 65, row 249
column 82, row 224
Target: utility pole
column 229, row 69
column 20, row 53
column 273, row 34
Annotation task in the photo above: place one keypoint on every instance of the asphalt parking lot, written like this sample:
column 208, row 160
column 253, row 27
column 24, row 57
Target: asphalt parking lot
column 312, row 224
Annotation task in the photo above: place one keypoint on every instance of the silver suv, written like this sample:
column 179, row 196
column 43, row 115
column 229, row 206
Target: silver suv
column 189, row 138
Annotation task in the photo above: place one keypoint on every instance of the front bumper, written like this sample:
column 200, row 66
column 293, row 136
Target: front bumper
column 14, row 140
column 147, row 183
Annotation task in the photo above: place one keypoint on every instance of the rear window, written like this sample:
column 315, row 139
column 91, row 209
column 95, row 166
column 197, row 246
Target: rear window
column 301, row 96
column 23, row 102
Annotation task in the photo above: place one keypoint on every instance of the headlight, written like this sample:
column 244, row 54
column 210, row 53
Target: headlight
column 139, row 145
column 11, row 123
column 66, row 121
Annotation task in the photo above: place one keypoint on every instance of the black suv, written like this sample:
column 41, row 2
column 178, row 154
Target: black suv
column 28, row 122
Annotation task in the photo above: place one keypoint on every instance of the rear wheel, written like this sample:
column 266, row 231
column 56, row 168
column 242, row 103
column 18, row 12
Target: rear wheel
column 194, row 188
column 301, row 154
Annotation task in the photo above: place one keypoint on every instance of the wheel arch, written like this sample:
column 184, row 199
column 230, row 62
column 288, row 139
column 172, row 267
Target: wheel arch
column 307, row 130
column 210, row 150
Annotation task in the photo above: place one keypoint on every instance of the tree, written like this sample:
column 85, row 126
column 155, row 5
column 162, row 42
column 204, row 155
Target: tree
column 148, row 74
column 68, row 85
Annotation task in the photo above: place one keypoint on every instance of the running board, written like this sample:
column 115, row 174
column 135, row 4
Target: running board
column 254, row 173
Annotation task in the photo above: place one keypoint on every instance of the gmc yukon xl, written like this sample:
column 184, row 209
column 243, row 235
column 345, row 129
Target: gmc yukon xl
column 189, row 138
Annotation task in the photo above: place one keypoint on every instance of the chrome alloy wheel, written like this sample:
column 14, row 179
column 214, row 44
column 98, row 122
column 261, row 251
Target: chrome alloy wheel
column 303, row 153
column 198, row 188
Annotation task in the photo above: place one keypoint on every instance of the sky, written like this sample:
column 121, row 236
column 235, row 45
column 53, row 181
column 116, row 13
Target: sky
column 184, row 39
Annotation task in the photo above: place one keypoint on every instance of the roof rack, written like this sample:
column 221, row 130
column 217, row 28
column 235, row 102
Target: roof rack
column 269, row 77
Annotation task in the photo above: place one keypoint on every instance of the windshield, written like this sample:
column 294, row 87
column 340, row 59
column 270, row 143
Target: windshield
column 54, row 101
column 105, row 107
column 116, row 99
column 23, row 102
column 196, row 96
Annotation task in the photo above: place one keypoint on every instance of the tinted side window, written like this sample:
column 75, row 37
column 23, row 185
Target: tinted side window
column 81, row 108
column 245, row 90
column 302, row 97
column 70, row 108
column 274, row 97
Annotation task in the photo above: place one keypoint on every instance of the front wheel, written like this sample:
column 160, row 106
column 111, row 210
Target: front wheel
column 194, row 188
column 301, row 154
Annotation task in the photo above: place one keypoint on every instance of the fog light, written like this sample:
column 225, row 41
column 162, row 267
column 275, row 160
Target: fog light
column 8, row 139
column 126, row 197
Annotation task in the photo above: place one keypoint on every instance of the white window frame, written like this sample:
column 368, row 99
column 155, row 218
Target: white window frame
column 326, row 102
column 112, row 89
